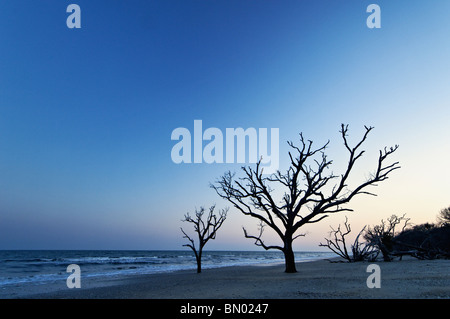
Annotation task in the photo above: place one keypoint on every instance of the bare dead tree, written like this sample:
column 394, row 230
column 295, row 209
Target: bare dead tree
column 253, row 194
column 382, row 235
column 205, row 230
column 359, row 250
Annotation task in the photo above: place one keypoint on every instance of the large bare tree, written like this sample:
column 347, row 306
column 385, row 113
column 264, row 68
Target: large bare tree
column 205, row 230
column 308, row 196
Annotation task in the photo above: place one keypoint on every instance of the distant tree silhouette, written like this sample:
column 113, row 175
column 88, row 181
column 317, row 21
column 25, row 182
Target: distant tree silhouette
column 205, row 230
column 253, row 194
column 425, row 241
column 444, row 217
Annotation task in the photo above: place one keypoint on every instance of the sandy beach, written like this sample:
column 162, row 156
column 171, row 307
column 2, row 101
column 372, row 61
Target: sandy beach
column 404, row 279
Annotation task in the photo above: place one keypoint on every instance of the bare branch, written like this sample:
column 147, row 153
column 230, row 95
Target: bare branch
column 258, row 240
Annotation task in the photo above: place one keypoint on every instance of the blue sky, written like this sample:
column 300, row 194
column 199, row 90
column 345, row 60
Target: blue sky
column 86, row 114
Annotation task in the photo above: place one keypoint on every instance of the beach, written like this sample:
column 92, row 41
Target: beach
column 321, row 279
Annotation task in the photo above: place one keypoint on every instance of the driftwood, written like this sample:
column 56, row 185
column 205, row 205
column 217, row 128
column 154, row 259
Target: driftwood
column 359, row 251
column 420, row 252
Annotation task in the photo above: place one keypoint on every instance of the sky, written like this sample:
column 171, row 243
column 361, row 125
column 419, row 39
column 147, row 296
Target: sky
column 86, row 114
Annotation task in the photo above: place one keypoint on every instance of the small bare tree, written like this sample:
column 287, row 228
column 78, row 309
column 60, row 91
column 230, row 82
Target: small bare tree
column 359, row 250
column 304, row 184
column 382, row 235
column 205, row 230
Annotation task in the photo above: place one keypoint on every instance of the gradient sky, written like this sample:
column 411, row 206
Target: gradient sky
column 86, row 114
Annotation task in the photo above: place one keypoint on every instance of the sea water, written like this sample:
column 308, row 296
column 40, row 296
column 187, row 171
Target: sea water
column 44, row 266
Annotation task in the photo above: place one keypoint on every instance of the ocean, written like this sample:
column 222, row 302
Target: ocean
column 46, row 266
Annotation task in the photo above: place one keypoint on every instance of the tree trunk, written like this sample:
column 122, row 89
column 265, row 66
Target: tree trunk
column 289, row 257
column 385, row 252
column 199, row 261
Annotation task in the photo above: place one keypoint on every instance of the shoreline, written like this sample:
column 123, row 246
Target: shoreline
column 320, row 279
